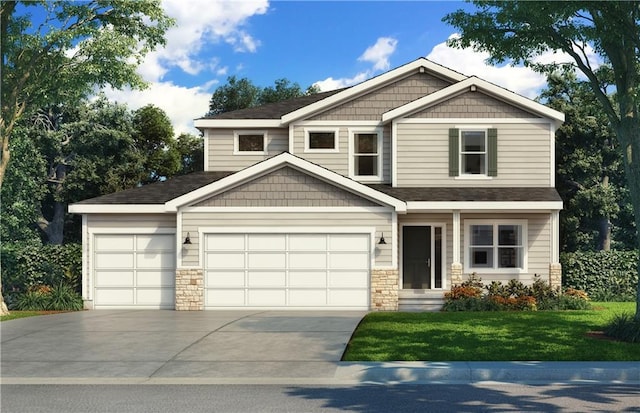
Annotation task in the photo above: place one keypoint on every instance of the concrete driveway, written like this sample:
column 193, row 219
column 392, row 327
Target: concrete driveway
column 171, row 344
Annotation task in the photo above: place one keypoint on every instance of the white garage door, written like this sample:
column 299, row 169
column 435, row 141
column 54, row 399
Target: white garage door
column 287, row 270
column 134, row 270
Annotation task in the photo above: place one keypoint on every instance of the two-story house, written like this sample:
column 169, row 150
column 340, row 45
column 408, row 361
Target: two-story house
column 378, row 196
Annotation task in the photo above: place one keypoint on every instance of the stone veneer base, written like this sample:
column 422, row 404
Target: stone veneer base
column 189, row 289
column 384, row 290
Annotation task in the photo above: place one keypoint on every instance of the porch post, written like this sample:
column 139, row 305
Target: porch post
column 555, row 268
column 456, row 265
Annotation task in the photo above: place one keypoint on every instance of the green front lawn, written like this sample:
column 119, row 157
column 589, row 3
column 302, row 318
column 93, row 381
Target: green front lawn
column 490, row 336
column 22, row 314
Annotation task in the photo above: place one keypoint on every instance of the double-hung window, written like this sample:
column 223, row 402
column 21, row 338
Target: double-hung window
column 365, row 163
column 473, row 152
column 250, row 143
column 495, row 245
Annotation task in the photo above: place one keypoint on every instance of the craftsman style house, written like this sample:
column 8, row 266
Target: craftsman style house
column 379, row 196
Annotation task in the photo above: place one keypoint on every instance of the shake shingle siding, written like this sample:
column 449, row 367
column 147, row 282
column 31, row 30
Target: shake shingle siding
column 473, row 105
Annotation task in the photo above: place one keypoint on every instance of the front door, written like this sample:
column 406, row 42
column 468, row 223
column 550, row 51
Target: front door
column 421, row 257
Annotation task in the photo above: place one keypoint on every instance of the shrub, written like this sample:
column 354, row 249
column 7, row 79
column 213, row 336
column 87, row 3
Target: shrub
column 458, row 292
column 30, row 300
column 603, row 275
column 44, row 298
column 624, row 327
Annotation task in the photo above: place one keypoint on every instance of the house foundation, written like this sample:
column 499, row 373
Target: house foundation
column 555, row 275
column 189, row 289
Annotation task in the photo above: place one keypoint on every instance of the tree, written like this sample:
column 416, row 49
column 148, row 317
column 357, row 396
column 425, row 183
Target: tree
column 236, row 94
column 520, row 32
column 153, row 138
column 242, row 94
column 76, row 47
column 191, row 151
column 589, row 170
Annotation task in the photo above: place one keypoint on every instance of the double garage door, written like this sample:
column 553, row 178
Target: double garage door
column 134, row 270
column 288, row 270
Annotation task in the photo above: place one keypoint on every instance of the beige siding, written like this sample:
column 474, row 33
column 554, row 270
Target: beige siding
column 131, row 221
column 338, row 162
column 374, row 104
column 538, row 251
column 193, row 220
column 287, row 187
column 524, row 156
column 473, row 105
column 221, row 157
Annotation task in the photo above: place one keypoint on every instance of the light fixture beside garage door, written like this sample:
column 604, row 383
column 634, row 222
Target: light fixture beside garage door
column 187, row 240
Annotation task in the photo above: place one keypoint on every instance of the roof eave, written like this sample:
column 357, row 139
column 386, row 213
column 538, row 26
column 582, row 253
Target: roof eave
column 117, row 209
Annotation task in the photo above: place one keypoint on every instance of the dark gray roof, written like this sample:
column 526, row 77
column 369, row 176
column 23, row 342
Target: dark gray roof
column 274, row 110
column 470, row 194
column 159, row 192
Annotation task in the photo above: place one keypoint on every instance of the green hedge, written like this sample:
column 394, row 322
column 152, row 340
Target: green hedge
column 604, row 275
column 29, row 264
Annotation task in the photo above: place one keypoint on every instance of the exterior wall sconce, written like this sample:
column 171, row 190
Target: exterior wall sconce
column 187, row 240
column 382, row 241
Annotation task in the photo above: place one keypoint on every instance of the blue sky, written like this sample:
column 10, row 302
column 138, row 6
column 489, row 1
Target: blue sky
column 329, row 43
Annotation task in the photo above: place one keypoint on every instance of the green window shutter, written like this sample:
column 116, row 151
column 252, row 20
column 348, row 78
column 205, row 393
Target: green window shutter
column 492, row 152
column 454, row 152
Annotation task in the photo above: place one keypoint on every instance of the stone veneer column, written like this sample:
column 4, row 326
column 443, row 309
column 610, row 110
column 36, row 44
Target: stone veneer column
column 384, row 290
column 555, row 275
column 456, row 274
column 189, row 289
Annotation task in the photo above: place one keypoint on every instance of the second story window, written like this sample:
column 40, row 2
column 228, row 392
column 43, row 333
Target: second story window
column 473, row 152
column 250, row 143
column 321, row 140
column 366, row 155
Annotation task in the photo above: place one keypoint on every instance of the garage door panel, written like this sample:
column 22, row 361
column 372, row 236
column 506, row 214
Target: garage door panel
column 155, row 242
column 114, row 260
column 153, row 296
column 308, row 298
column 267, row 260
column 276, row 242
column 104, row 242
column 225, row 242
column 308, row 279
column 224, row 260
column 225, row 279
column 353, row 298
column 267, row 298
column 114, row 278
column 354, row 260
column 155, row 260
column 266, row 279
column 307, row 242
column 348, row 279
column 349, row 242
column 156, row 278
column 308, row 260
column 114, row 296
column 225, row 298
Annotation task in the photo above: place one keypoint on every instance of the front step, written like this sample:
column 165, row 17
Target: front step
column 420, row 300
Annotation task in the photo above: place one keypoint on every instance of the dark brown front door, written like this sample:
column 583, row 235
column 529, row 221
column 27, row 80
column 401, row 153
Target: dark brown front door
column 416, row 257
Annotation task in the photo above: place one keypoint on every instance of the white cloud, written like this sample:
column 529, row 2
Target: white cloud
column 181, row 104
column 199, row 23
column 519, row 79
column 379, row 53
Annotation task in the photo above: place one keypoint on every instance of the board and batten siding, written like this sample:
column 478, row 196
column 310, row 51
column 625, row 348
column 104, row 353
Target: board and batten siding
column 524, row 156
column 338, row 162
column 538, row 243
column 220, row 148
column 193, row 220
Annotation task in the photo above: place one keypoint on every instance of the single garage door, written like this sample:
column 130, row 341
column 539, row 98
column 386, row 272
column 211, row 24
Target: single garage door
column 280, row 271
column 134, row 270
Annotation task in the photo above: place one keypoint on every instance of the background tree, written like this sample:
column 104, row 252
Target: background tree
column 520, row 32
column 589, row 170
column 242, row 94
column 191, row 151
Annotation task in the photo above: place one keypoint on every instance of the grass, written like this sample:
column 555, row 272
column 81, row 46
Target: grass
column 22, row 314
column 490, row 336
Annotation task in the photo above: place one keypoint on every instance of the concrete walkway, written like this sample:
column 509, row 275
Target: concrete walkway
column 238, row 347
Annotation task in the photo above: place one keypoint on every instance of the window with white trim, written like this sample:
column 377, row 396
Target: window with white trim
column 321, row 140
column 494, row 245
column 473, row 152
column 249, row 142
column 366, row 154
